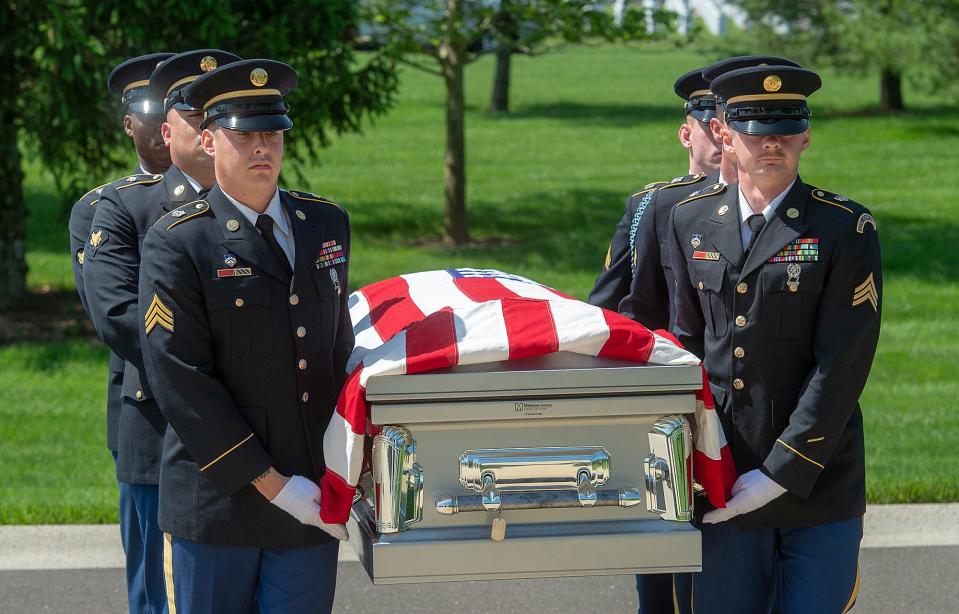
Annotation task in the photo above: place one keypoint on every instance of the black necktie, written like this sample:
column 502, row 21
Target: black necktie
column 264, row 224
column 756, row 222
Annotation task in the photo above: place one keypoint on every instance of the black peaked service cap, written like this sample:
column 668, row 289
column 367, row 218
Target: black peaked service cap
column 245, row 95
column 743, row 61
column 130, row 81
column 765, row 100
column 171, row 77
column 700, row 102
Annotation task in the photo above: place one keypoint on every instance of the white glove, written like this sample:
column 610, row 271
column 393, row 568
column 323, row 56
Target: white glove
column 300, row 498
column 751, row 491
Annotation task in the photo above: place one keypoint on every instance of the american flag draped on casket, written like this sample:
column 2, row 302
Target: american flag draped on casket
column 437, row 319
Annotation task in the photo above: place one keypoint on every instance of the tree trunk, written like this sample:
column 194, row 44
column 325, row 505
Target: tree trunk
column 452, row 52
column 13, row 214
column 890, row 90
column 499, row 101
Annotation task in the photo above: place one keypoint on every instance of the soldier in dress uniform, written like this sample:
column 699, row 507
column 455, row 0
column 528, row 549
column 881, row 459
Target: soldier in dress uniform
column 126, row 211
column 779, row 287
column 141, row 122
column 613, row 282
column 246, row 333
column 649, row 278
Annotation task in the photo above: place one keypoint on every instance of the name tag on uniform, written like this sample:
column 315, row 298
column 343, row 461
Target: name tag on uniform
column 705, row 255
column 237, row 272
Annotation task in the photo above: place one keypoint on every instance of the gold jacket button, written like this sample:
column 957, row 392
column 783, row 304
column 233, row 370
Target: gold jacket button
column 738, row 384
column 741, row 287
column 301, row 365
column 740, row 321
column 294, row 299
column 301, row 331
column 701, row 285
column 739, row 352
column 139, row 394
column 238, row 302
column 305, row 397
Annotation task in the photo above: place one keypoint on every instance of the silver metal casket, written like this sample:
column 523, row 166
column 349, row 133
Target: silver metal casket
column 560, row 465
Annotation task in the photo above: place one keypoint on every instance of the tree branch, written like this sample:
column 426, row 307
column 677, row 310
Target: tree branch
column 418, row 66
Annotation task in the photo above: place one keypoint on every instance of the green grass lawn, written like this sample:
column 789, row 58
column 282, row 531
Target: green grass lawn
column 548, row 183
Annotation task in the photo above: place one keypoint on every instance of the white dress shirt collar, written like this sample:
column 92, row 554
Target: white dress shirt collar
column 281, row 221
column 745, row 211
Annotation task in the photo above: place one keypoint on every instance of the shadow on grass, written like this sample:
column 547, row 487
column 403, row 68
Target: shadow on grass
column 918, row 247
column 602, row 114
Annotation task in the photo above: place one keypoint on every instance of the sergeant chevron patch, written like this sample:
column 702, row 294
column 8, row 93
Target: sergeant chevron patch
column 158, row 315
column 866, row 291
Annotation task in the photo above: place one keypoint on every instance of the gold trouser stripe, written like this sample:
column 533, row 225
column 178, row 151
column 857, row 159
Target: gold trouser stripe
column 239, row 94
column 220, row 457
column 168, row 571
column 798, row 453
column 751, row 97
column 136, row 84
column 853, row 596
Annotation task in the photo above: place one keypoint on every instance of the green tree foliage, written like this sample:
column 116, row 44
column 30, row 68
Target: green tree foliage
column 57, row 108
column 443, row 36
column 901, row 39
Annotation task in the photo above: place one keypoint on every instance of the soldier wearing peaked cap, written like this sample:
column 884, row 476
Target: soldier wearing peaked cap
column 246, row 333
column 779, row 287
column 141, row 122
column 125, row 213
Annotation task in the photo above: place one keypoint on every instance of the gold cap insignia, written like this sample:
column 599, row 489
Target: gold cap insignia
column 96, row 238
column 232, row 225
column 208, row 63
column 772, row 83
column 258, row 77
column 158, row 315
column 300, row 214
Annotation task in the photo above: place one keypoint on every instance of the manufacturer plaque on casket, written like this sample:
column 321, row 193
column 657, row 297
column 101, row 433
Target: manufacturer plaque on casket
column 559, row 465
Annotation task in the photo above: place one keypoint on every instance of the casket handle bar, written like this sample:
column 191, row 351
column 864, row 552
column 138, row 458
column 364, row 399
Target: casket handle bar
column 547, row 499
column 397, row 480
column 669, row 485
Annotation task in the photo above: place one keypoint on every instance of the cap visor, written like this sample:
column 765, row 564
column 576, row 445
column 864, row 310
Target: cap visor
column 146, row 107
column 255, row 123
column 780, row 127
column 703, row 115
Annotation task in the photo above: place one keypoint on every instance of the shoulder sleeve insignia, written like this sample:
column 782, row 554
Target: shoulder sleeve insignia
column 831, row 199
column 866, row 293
column 186, row 212
column 158, row 315
column 865, row 219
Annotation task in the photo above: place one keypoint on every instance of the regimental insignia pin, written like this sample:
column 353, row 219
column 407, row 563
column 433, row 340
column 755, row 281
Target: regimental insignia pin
column 232, row 225
column 96, row 238
column 258, row 77
column 300, row 214
column 696, row 240
column 178, row 213
column 178, row 190
column 132, row 178
column 336, row 280
column 840, row 198
column 208, row 63
column 723, row 210
column 229, row 260
column 792, row 277
column 772, row 83
column 792, row 213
